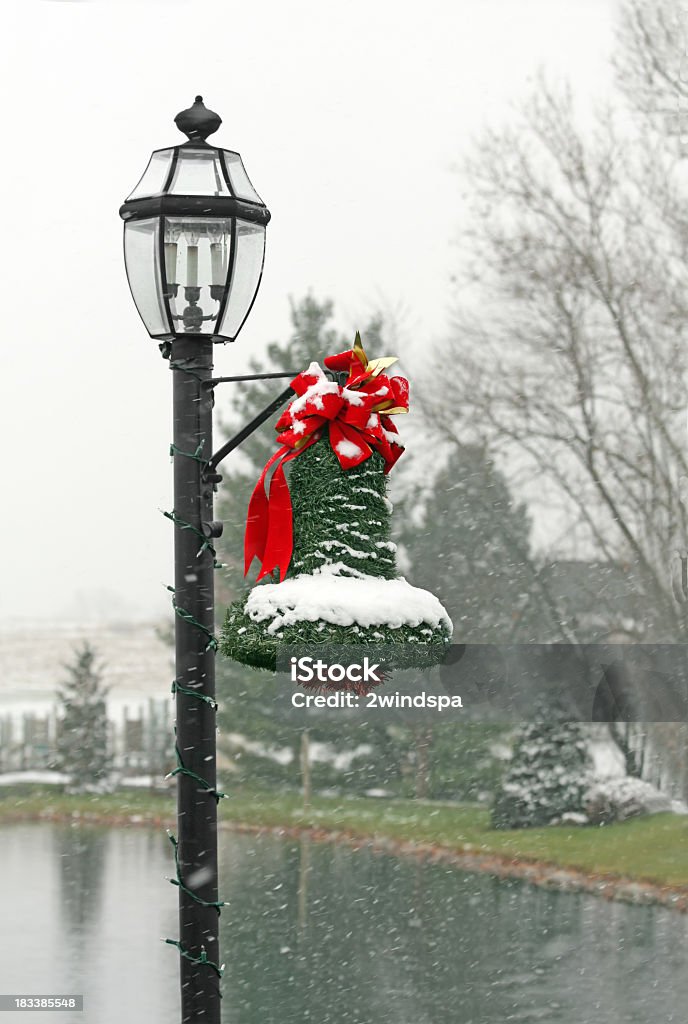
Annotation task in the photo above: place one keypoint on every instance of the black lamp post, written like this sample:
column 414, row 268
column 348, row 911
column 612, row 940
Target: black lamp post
column 194, row 242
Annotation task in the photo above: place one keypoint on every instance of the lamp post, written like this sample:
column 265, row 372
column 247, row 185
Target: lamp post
column 194, row 243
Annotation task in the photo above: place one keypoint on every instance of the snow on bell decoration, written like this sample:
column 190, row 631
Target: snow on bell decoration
column 324, row 539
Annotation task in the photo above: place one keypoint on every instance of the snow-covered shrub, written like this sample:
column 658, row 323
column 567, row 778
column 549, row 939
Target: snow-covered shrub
column 546, row 778
column 618, row 797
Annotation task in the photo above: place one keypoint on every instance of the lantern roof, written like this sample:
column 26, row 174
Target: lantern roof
column 195, row 178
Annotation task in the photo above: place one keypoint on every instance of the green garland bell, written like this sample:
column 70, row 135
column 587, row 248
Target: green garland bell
column 341, row 585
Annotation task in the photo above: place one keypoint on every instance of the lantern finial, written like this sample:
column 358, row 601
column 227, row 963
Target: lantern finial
column 197, row 122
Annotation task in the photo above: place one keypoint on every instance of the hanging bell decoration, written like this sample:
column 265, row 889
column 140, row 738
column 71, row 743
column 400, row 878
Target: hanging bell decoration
column 327, row 563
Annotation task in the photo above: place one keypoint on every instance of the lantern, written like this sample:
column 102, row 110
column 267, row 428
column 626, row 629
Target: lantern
column 194, row 236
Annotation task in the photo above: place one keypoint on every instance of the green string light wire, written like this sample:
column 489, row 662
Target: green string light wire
column 212, row 644
column 206, row 543
column 196, row 456
column 181, row 769
column 184, row 525
column 202, row 959
column 178, row 880
column 178, row 688
column 166, row 352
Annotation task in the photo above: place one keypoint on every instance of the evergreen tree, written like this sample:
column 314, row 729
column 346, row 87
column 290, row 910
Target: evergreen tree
column 463, row 535
column 547, row 775
column 82, row 744
column 466, row 538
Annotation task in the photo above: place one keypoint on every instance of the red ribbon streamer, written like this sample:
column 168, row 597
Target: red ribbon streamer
column 357, row 417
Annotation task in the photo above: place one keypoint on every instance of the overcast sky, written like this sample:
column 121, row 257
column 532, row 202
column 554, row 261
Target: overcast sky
column 349, row 117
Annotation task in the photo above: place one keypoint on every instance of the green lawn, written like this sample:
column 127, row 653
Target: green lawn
column 30, row 801
column 653, row 848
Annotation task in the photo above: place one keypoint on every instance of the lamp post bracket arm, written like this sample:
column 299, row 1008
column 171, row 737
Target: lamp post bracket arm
column 248, row 376
column 245, row 432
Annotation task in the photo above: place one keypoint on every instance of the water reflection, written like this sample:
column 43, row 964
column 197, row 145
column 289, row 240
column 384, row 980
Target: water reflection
column 390, row 940
column 81, row 860
column 327, row 934
column 83, row 913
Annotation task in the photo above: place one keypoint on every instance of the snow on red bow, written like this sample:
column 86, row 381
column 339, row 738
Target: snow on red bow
column 356, row 416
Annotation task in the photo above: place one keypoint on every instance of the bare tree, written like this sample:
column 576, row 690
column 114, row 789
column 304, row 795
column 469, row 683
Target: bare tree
column 569, row 343
column 652, row 63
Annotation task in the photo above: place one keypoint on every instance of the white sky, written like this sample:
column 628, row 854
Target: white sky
column 349, row 118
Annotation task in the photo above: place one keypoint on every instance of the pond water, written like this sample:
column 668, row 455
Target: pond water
column 325, row 934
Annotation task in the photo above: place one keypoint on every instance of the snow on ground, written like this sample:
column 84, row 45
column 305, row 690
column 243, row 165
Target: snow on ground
column 324, row 753
column 341, row 760
column 280, row 755
column 51, row 778
column 42, row 778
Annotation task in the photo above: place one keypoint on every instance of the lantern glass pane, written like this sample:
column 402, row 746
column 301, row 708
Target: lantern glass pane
column 197, row 256
column 152, row 182
column 198, row 173
column 242, row 187
column 248, row 265
column 142, row 261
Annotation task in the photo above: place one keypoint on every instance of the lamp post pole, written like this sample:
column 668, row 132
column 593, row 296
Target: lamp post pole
column 191, row 363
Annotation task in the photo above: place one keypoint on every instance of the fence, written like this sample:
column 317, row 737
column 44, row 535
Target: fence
column 139, row 745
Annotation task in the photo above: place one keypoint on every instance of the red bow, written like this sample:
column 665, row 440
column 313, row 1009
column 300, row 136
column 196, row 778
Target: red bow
column 356, row 416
